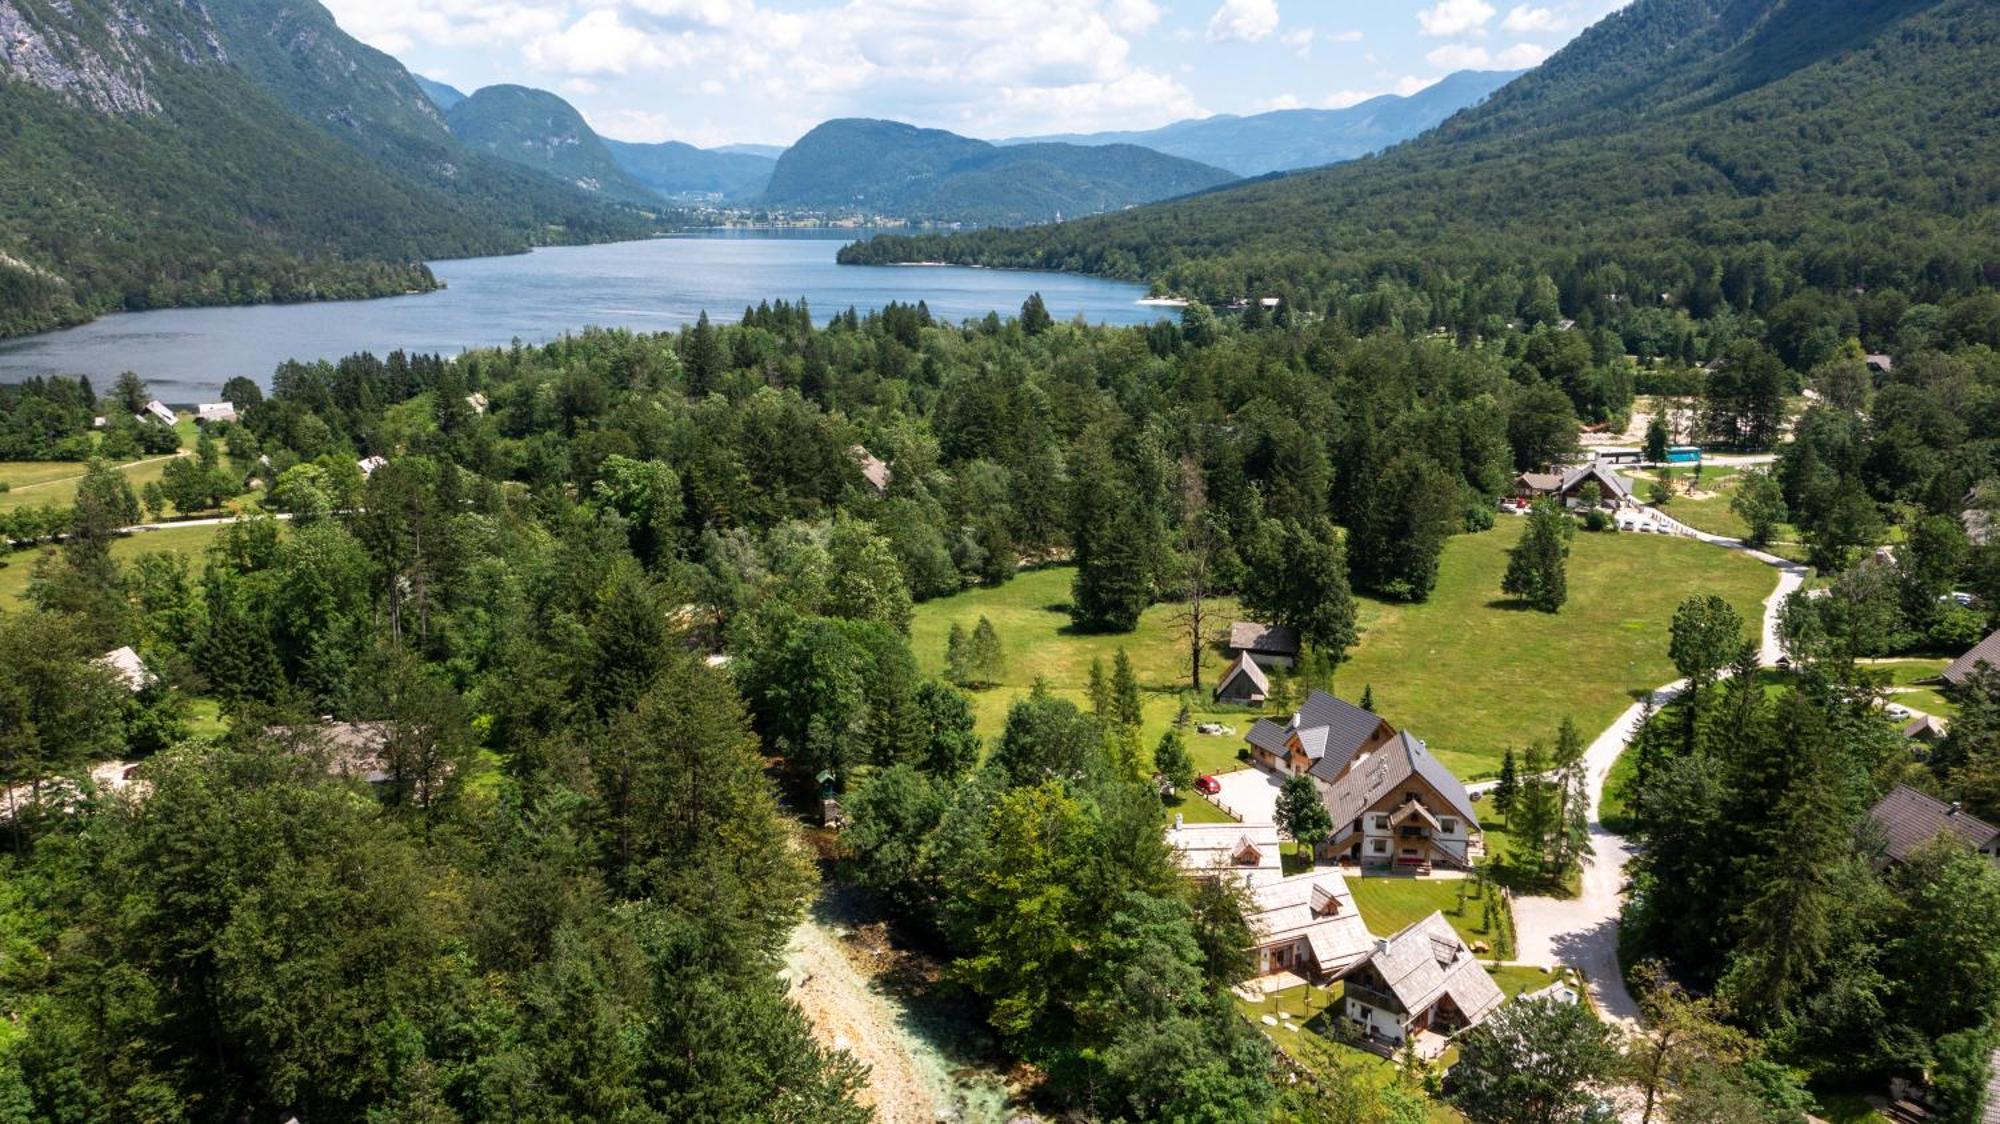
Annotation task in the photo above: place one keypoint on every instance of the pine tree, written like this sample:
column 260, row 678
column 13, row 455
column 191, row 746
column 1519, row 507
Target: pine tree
column 1101, row 706
column 958, row 656
column 1128, row 708
column 1537, row 565
column 988, row 662
column 1368, row 698
column 1509, row 786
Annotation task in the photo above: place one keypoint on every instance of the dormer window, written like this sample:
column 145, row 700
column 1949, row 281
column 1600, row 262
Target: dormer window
column 1447, row 825
column 1246, row 853
column 1324, row 902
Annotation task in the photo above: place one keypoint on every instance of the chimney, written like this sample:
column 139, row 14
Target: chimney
column 1381, row 946
column 1956, row 808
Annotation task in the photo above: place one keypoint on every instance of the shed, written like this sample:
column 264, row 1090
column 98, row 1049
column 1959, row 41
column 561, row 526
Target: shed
column 1273, row 645
column 1244, row 683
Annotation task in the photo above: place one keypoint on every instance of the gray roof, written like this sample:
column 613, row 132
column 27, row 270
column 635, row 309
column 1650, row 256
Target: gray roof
column 1924, row 726
column 1613, row 487
column 1245, row 666
column 1428, row 961
column 1333, row 730
column 1911, row 819
column 1317, row 908
column 1399, row 759
column 1255, row 636
column 1540, row 481
column 1987, row 651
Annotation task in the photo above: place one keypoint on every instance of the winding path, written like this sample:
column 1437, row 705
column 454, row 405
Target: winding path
column 1583, row 931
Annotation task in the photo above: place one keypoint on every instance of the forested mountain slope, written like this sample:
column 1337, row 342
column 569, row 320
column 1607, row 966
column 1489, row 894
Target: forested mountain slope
column 1288, row 139
column 160, row 153
column 1711, row 150
column 442, row 94
column 537, row 129
column 673, row 168
column 890, row 168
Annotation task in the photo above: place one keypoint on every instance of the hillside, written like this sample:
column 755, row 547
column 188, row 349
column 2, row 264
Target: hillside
column 160, row 153
column 1720, row 152
column 1289, row 139
column 442, row 94
column 889, row 168
column 538, row 130
column 675, row 169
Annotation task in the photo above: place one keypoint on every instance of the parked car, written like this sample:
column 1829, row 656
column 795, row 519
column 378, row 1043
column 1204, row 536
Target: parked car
column 1207, row 784
column 1897, row 710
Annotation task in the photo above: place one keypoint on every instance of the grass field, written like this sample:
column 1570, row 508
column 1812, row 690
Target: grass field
column 1913, row 683
column 1467, row 672
column 16, row 566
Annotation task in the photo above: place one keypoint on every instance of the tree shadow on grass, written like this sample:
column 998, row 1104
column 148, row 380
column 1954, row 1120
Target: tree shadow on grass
column 1510, row 605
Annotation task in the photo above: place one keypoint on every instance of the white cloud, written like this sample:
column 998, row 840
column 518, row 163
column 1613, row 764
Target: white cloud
column 1471, row 56
column 634, row 125
column 1521, row 56
column 1282, row 101
column 1522, row 19
column 1404, row 87
column 1299, row 39
column 600, row 42
column 1132, row 16
column 1245, row 20
column 1454, row 17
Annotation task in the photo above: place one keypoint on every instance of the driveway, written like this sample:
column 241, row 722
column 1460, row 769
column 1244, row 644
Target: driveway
column 1250, row 794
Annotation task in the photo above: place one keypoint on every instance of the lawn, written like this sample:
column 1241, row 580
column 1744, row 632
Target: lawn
column 1467, row 672
column 1473, row 675
column 1319, row 1053
column 1913, row 683
column 16, row 566
column 1390, row 904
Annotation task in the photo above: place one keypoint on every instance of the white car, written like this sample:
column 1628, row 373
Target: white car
column 1897, row 710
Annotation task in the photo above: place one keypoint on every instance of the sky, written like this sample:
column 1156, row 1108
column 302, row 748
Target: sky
column 713, row 72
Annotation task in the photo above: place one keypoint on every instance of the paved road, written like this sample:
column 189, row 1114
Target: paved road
column 1583, row 931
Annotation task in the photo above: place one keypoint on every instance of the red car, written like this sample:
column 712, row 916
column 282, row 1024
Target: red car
column 1208, row 784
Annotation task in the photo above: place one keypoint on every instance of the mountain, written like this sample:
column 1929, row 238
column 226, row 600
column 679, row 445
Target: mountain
column 1288, row 139
column 169, row 152
column 889, row 168
column 1719, row 152
column 442, row 95
column 537, row 129
column 767, row 151
column 675, row 169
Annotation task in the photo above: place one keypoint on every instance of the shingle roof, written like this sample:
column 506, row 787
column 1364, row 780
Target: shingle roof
column 1911, row 819
column 1348, row 727
column 873, row 469
column 1316, row 907
column 1987, row 651
column 1540, row 481
column 127, row 666
column 1388, row 767
column 1272, row 639
column 1925, row 726
column 1428, row 961
column 1246, row 667
column 1613, row 487
column 1203, row 848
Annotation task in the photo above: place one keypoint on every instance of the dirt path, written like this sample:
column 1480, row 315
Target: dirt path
column 848, row 1014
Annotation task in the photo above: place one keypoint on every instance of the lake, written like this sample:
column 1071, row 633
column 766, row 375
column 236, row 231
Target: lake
column 186, row 354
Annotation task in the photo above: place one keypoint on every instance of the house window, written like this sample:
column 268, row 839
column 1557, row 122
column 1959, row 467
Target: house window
column 1447, row 825
column 1381, row 822
column 1381, row 847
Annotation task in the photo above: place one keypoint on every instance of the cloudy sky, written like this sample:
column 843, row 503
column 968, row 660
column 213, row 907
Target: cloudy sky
column 719, row 71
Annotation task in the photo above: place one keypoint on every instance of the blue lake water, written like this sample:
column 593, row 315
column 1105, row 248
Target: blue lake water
column 185, row 355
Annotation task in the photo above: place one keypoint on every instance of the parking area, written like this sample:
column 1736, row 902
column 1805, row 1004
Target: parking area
column 1250, row 794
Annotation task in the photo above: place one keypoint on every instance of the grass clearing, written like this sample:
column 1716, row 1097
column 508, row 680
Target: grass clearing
column 17, row 566
column 1472, row 674
column 1466, row 671
column 1305, row 1038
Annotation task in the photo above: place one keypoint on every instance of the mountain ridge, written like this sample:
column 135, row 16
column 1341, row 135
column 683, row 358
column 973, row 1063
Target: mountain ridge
column 894, row 168
column 1290, row 139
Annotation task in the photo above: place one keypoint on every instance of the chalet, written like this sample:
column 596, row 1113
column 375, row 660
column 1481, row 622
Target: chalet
column 1247, row 850
column 1568, row 485
column 1307, row 925
column 1880, row 364
column 1321, row 738
column 873, row 468
column 368, row 465
column 1243, row 683
column 157, row 412
column 1396, row 805
column 1926, row 728
column 1272, row 645
column 209, row 413
column 125, row 665
column 1985, row 653
column 1909, row 819
column 1424, row 980
column 356, row 750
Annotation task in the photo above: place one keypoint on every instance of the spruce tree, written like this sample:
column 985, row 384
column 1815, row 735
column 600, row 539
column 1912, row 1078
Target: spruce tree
column 1509, row 786
column 988, row 662
column 958, row 656
column 1127, row 707
column 1537, row 565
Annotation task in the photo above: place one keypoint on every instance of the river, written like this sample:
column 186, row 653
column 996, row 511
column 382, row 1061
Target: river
column 186, row 354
